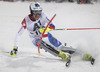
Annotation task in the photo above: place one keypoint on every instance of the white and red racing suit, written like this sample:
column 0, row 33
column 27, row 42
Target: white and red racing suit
column 33, row 27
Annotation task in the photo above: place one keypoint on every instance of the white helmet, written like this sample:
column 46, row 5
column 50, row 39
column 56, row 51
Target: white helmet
column 35, row 8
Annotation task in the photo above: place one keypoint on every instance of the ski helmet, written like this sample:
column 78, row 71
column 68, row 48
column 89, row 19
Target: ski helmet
column 35, row 8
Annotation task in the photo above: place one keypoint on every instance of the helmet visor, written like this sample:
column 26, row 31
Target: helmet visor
column 37, row 12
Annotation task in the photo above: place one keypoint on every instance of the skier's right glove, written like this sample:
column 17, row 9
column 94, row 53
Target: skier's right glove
column 14, row 51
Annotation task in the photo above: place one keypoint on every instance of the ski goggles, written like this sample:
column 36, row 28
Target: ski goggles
column 37, row 12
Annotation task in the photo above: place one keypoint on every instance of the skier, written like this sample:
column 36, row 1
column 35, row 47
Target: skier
column 35, row 24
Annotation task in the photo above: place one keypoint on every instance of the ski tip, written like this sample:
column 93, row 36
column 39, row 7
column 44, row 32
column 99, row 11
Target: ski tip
column 93, row 61
column 68, row 63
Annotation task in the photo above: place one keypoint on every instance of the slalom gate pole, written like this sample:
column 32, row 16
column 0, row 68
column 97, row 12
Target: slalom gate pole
column 44, row 32
column 78, row 29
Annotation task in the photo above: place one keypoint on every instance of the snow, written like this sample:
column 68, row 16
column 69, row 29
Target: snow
column 69, row 15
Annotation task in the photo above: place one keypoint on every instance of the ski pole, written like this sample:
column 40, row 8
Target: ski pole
column 78, row 29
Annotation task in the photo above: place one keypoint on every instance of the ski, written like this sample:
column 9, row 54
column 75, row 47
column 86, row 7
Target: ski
column 48, row 48
column 68, row 63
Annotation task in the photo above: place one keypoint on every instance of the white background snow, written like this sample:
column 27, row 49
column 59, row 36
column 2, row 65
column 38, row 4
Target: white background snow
column 69, row 15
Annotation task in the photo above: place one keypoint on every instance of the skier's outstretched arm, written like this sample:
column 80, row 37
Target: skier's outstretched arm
column 18, row 35
column 17, row 38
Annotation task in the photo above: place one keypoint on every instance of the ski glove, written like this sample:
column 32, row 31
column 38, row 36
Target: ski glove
column 42, row 29
column 50, row 28
column 14, row 51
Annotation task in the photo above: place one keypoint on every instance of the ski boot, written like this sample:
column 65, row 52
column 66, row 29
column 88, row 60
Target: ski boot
column 14, row 51
column 65, row 57
column 88, row 57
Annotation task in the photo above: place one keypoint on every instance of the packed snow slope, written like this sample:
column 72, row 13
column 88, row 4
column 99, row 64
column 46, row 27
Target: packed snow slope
column 69, row 15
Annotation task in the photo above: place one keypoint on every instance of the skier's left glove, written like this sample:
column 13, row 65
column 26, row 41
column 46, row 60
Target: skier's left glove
column 47, row 30
column 14, row 51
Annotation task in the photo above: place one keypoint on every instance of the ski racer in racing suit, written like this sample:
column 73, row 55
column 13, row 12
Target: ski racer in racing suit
column 35, row 24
